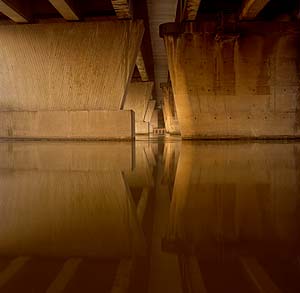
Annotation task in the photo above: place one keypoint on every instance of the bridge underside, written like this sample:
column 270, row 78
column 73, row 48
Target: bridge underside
column 196, row 68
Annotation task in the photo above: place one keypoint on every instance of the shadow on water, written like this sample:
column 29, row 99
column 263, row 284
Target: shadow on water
column 150, row 216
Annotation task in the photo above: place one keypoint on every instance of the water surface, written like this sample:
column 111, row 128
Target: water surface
column 150, row 216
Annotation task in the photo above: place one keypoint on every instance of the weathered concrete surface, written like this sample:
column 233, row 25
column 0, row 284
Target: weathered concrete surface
column 138, row 96
column 169, row 109
column 154, row 120
column 232, row 86
column 137, row 99
column 67, row 66
column 101, row 125
column 150, row 109
column 141, row 127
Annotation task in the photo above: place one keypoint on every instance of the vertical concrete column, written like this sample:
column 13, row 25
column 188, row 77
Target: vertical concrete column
column 242, row 83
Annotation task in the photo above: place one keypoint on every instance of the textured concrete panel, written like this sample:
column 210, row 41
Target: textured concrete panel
column 141, row 127
column 138, row 96
column 137, row 99
column 67, row 66
column 100, row 125
column 230, row 87
column 150, row 109
column 154, row 119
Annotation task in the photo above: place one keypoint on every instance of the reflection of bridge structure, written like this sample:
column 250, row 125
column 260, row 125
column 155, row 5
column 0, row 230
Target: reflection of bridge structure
column 68, row 215
column 82, row 224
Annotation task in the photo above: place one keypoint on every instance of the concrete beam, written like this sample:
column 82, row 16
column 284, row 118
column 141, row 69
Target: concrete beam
column 140, row 63
column 16, row 10
column 66, row 8
column 122, row 8
column 150, row 109
column 251, row 8
column 190, row 9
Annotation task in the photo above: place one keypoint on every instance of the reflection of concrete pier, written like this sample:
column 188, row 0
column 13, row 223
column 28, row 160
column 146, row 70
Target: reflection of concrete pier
column 234, row 213
column 173, row 216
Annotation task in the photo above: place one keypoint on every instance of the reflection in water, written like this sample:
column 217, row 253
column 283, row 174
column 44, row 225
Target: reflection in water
column 150, row 216
column 235, row 212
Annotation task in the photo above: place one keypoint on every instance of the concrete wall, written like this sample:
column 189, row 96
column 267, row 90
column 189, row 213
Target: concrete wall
column 236, row 85
column 154, row 120
column 150, row 109
column 137, row 99
column 100, row 125
column 141, row 127
column 67, row 66
column 138, row 96
column 169, row 110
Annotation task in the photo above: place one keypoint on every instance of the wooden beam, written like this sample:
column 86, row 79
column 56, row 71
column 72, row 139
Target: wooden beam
column 122, row 8
column 16, row 10
column 140, row 64
column 190, row 9
column 66, row 8
column 251, row 8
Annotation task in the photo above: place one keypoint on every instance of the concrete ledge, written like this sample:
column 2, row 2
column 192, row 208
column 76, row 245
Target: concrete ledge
column 73, row 125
